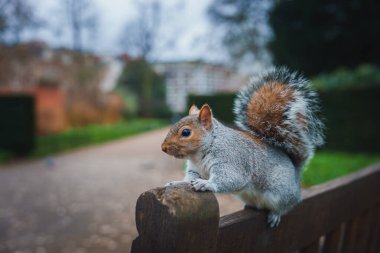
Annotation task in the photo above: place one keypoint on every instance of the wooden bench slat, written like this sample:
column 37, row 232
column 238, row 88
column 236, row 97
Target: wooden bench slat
column 354, row 239
column 344, row 212
column 324, row 208
column 333, row 240
column 311, row 248
column 374, row 231
column 176, row 219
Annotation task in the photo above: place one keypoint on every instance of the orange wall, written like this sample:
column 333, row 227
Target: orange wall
column 50, row 110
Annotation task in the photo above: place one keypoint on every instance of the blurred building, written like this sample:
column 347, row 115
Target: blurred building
column 114, row 70
column 50, row 109
column 70, row 89
column 196, row 77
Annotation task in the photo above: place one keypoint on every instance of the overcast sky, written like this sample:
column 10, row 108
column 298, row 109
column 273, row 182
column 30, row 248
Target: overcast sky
column 184, row 20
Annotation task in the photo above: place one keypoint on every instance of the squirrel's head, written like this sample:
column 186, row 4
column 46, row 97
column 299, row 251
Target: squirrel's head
column 186, row 136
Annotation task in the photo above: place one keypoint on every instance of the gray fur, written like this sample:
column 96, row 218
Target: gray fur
column 259, row 174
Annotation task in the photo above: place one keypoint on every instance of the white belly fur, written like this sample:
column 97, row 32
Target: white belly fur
column 257, row 199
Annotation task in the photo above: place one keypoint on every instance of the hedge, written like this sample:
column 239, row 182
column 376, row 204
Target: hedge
column 17, row 123
column 221, row 105
column 351, row 117
column 363, row 77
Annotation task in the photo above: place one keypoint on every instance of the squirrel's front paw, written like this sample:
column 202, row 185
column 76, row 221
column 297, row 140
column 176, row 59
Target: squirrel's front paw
column 201, row 185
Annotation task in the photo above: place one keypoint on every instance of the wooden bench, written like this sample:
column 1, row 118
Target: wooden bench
column 342, row 215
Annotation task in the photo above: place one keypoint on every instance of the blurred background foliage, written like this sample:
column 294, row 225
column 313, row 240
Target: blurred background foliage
column 362, row 77
column 319, row 36
column 311, row 36
column 334, row 43
column 139, row 79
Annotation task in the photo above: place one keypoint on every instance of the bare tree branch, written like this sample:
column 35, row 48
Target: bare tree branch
column 15, row 17
column 81, row 18
column 140, row 35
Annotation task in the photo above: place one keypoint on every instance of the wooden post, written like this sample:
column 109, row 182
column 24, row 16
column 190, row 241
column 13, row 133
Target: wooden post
column 176, row 219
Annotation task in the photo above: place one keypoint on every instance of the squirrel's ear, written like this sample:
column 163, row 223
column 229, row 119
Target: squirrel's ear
column 193, row 110
column 205, row 116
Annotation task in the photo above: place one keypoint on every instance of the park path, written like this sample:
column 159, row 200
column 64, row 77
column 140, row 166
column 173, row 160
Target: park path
column 84, row 200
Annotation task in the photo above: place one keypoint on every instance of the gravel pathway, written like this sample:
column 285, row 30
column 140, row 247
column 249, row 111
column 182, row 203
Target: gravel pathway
column 84, row 201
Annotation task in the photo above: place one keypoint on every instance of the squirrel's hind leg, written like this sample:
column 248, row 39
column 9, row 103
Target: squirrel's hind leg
column 273, row 219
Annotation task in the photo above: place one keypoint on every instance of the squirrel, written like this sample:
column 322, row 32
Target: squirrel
column 261, row 160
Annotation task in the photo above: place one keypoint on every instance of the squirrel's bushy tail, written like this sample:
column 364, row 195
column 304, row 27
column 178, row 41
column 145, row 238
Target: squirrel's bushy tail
column 280, row 107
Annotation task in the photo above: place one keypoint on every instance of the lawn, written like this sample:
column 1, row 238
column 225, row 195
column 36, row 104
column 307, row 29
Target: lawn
column 327, row 165
column 88, row 135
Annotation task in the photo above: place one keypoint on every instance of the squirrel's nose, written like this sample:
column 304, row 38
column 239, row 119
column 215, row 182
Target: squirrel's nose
column 164, row 147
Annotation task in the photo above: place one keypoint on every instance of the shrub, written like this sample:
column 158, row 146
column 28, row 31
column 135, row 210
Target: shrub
column 147, row 86
column 17, row 125
column 221, row 105
column 363, row 77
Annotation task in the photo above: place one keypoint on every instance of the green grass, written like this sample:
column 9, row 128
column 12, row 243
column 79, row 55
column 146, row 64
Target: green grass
column 88, row 135
column 327, row 165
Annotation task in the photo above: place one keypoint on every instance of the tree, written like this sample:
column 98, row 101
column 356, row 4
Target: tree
column 139, row 78
column 16, row 16
column 4, row 5
column 140, row 34
column 139, row 40
column 81, row 18
column 245, row 26
column 317, row 36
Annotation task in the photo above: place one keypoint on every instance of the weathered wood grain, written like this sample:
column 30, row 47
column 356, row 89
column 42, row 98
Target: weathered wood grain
column 333, row 240
column 311, row 248
column 356, row 237
column 176, row 220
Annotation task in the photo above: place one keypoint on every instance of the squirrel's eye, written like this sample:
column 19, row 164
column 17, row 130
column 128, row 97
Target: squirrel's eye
column 186, row 132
